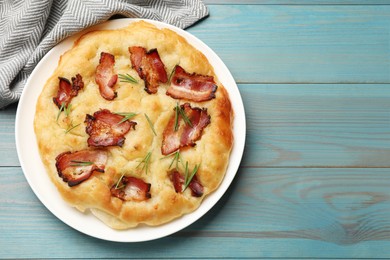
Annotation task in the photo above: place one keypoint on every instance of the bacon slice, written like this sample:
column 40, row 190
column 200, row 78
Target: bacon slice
column 105, row 76
column 131, row 188
column 107, row 129
column 196, row 187
column 77, row 167
column 178, row 183
column 185, row 134
column 67, row 91
column 177, row 180
column 149, row 67
column 192, row 87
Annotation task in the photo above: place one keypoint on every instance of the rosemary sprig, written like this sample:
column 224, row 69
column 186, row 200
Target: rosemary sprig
column 179, row 110
column 150, row 124
column 127, row 78
column 127, row 116
column 176, row 158
column 71, row 127
column 80, row 163
column 145, row 161
column 65, row 109
column 60, row 111
column 172, row 72
column 177, row 117
column 118, row 182
column 188, row 177
column 185, row 117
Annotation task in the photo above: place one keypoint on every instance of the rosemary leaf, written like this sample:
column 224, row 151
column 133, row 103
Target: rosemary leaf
column 179, row 110
column 71, row 127
column 127, row 78
column 172, row 72
column 176, row 159
column 150, row 124
column 188, row 178
column 118, row 182
column 186, row 174
column 185, row 117
column 60, row 111
column 67, row 110
column 80, row 163
column 127, row 116
column 177, row 117
column 145, row 161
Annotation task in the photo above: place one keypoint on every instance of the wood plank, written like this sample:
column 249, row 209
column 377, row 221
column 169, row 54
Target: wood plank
column 317, row 125
column 269, row 213
column 8, row 155
column 299, row 125
column 300, row 44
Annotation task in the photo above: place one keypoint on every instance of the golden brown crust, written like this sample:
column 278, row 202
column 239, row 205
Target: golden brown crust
column 212, row 151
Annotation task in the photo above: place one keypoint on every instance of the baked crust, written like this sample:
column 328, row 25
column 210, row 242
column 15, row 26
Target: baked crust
column 211, row 152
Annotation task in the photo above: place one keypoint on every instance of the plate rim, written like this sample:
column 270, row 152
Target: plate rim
column 23, row 133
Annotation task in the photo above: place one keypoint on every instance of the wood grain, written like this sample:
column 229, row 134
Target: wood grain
column 8, row 155
column 279, row 213
column 300, row 44
column 315, row 176
column 317, row 125
column 298, row 125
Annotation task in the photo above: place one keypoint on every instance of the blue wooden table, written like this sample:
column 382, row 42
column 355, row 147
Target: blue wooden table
column 314, row 181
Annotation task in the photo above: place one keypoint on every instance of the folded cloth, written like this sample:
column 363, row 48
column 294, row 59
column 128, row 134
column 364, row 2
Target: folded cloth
column 30, row 28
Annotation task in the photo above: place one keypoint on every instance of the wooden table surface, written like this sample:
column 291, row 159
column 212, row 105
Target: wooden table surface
column 314, row 181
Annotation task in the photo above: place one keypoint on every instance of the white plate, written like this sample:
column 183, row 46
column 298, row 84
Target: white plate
column 40, row 183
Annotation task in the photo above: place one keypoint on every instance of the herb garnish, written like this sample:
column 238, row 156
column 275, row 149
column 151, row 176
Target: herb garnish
column 65, row 109
column 127, row 78
column 179, row 110
column 80, row 163
column 60, row 111
column 150, row 124
column 172, row 72
column 127, row 116
column 71, row 127
column 118, row 182
column 176, row 117
column 176, row 158
column 145, row 161
column 188, row 177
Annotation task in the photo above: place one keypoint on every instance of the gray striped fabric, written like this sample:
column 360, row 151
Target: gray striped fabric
column 30, row 28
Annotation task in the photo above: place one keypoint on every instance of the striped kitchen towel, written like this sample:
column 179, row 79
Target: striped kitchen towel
column 30, row 28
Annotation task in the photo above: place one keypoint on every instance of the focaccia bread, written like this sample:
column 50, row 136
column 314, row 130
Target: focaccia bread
column 134, row 126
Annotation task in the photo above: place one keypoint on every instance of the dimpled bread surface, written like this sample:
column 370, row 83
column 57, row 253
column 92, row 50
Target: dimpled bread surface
column 211, row 152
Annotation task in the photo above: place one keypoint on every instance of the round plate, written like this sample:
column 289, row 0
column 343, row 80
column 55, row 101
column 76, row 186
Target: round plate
column 40, row 183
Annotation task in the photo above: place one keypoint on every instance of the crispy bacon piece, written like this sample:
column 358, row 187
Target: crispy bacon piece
column 77, row 167
column 193, row 86
column 107, row 129
column 105, row 76
column 177, row 180
column 178, row 183
column 149, row 67
column 67, row 91
column 131, row 188
column 185, row 134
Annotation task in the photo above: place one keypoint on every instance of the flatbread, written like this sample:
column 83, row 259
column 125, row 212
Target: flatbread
column 66, row 132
